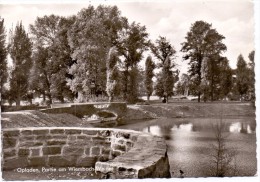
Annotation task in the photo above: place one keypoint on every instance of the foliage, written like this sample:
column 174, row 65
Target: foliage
column 111, row 73
column 91, row 36
column 20, row 51
column 131, row 44
column 183, row 85
column 242, row 76
column 50, row 36
column 149, row 67
column 165, row 53
column 202, row 41
column 251, row 89
column 3, row 56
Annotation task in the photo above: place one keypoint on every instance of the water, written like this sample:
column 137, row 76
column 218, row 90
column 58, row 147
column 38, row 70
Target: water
column 190, row 143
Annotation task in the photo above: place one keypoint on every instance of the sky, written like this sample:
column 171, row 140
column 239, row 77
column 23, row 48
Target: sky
column 234, row 19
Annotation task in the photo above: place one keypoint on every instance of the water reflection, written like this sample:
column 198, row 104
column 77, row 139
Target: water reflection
column 239, row 127
column 166, row 129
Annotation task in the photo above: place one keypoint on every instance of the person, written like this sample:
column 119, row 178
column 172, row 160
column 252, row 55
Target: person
column 164, row 99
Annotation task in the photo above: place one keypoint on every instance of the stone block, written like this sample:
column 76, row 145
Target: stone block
column 51, row 150
column 59, row 137
column 15, row 163
column 71, row 137
column 26, row 144
column 62, row 161
column 106, row 150
column 134, row 138
column 84, row 137
column 22, row 152
column 72, row 131
column 119, row 147
column 41, row 132
column 95, row 151
column 26, row 138
column 126, row 135
column 106, row 133
column 90, row 132
column 11, row 133
column 56, row 142
column 67, row 150
column 43, row 137
column 98, row 138
column 26, row 132
column 103, row 158
column 57, row 131
column 38, row 143
column 121, row 141
column 9, row 142
column 37, row 161
column 87, row 151
column 9, row 153
column 77, row 143
column 35, row 152
column 86, row 161
column 115, row 153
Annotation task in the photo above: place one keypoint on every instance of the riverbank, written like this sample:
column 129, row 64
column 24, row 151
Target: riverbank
column 134, row 112
column 189, row 110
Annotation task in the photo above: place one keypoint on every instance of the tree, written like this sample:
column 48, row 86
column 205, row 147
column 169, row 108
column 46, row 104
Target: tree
column 222, row 158
column 202, row 41
column 60, row 56
column 182, row 87
column 242, row 77
column 131, row 44
column 149, row 67
column 50, row 36
column 165, row 53
column 225, row 82
column 20, row 51
column 3, row 56
column 251, row 76
column 111, row 73
column 40, row 77
column 91, row 36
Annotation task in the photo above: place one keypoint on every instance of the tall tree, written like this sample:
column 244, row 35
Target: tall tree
column 149, row 67
column 165, row 53
column 60, row 56
column 50, row 35
column 20, row 51
column 251, row 57
column 132, row 42
column 242, row 77
column 93, row 33
column 201, row 41
column 40, row 76
column 111, row 73
column 225, row 79
column 183, row 85
column 3, row 57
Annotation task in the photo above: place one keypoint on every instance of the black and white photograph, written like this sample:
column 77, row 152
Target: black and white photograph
column 132, row 89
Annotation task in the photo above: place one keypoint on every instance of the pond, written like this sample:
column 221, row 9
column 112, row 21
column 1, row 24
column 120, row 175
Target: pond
column 190, row 143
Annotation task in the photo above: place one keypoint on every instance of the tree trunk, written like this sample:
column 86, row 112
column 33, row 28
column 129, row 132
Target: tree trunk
column 18, row 102
column 18, row 98
column 110, row 98
column 199, row 96
column 148, row 98
column 125, row 84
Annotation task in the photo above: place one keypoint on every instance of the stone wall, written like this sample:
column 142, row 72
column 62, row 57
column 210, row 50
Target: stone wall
column 80, row 110
column 113, row 152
